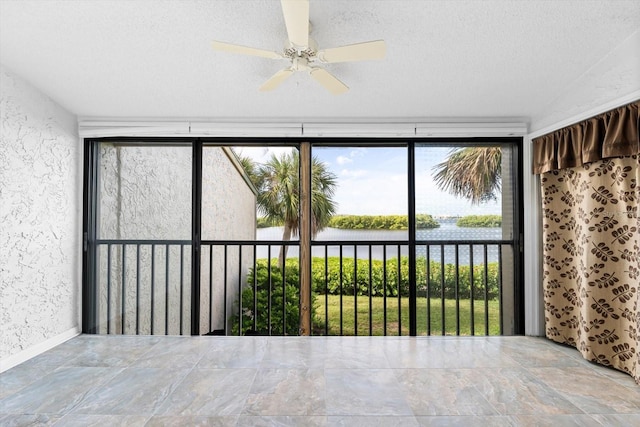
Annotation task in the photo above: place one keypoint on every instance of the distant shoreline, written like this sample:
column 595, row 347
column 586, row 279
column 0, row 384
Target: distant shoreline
column 399, row 222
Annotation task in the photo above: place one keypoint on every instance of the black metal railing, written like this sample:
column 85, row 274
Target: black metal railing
column 143, row 287
column 358, row 287
column 468, row 281
column 242, row 293
column 355, row 261
column 456, row 293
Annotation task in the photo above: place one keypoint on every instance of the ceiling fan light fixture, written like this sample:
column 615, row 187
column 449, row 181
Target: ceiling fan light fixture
column 302, row 51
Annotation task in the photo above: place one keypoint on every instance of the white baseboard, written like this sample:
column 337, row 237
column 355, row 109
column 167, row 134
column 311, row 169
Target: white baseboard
column 18, row 358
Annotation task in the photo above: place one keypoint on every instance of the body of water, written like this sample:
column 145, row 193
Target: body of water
column 447, row 231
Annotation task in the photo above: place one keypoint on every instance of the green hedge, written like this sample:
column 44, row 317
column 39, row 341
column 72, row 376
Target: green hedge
column 346, row 287
column 380, row 222
column 376, row 288
column 480, row 221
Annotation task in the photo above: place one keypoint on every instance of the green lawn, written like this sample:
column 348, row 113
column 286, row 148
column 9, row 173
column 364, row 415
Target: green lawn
column 393, row 326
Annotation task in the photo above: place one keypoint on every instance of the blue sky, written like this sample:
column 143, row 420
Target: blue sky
column 373, row 181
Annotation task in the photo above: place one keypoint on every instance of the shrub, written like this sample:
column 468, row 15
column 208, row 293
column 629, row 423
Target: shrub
column 424, row 221
column 264, row 222
column 268, row 311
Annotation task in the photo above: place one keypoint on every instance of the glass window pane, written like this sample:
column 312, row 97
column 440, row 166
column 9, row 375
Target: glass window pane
column 469, row 280
column 145, row 193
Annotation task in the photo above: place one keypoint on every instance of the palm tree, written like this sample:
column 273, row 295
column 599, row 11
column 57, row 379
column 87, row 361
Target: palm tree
column 473, row 173
column 278, row 184
column 249, row 167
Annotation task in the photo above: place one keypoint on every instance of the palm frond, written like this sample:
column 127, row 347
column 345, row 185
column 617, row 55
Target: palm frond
column 473, row 173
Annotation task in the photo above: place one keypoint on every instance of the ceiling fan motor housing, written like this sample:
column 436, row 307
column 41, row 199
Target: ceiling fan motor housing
column 309, row 52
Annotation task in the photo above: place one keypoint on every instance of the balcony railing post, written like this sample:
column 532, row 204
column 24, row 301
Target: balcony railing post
column 486, row 291
column 341, row 287
column 270, row 290
column 428, row 273
column 153, row 286
column 166, row 286
column 225, row 281
column 399, row 288
column 326, row 291
column 457, row 290
column 284, row 296
column 442, row 290
column 370, row 293
column 471, row 293
column 138, row 289
column 355, row 290
column 108, row 289
column 384, row 288
column 500, row 312
column 124, row 290
column 239, row 289
column 210, row 288
column 181, row 313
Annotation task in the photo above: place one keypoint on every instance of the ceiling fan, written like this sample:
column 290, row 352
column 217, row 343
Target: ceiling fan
column 303, row 53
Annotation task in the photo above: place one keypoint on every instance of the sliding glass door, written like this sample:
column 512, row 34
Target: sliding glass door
column 219, row 237
column 466, row 269
column 140, row 239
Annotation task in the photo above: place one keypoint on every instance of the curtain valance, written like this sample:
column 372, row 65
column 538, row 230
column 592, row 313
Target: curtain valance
column 611, row 134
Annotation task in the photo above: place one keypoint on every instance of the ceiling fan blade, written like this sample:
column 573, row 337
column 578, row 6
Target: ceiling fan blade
column 329, row 81
column 244, row 50
column 276, row 80
column 354, row 52
column 296, row 18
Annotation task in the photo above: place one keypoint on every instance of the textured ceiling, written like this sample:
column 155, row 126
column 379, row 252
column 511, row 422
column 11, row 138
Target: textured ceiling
column 444, row 58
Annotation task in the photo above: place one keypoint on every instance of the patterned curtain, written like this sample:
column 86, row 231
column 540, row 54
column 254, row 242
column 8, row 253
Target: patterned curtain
column 590, row 177
column 591, row 279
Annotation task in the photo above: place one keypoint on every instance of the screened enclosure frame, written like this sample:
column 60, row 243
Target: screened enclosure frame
column 90, row 321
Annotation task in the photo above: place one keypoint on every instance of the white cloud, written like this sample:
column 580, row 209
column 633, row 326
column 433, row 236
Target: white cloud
column 385, row 193
column 372, row 195
column 342, row 160
column 357, row 152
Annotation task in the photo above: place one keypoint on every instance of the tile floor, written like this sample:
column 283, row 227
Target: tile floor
column 294, row 381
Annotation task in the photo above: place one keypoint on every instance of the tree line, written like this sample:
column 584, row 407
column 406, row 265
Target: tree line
column 480, row 221
column 366, row 222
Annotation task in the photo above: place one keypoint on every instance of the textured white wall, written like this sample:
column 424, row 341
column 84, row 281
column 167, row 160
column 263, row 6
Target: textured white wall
column 39, row 216
column 228, row 213
column 145, row 193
